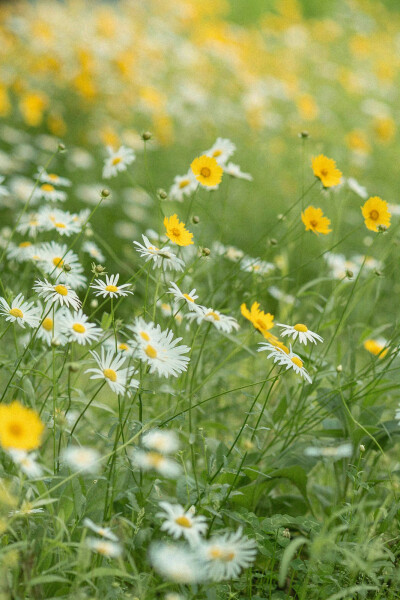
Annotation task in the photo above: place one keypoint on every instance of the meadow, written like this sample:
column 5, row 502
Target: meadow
column 199, row 283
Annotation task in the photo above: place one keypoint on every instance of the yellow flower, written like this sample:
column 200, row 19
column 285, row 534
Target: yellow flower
column 375, row 347
column 376, row 212
column 20, row 427
column 314, row 220
column 325, row 169
column 207, row 171
column 176, row 231
column 261, row 321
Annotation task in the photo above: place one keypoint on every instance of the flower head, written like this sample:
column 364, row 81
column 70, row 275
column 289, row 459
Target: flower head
column 109, row 368
column 77, row 328
column 227, row 555
column 20, row 311
column 59, row 293
column 110, row 287
column 81, row 458
column 314, row 220
column 376, row 212
column 175, row 563
column 117, row 161
column 20, row 427
column 179, row 522
column 376, row 347
column 160, row 256
column 325, row 169
column 285, row 357
column 104, row 547
column 177, row 232
column 161, row 351
column 262, row 321
column 207, row 170
column 300, row 331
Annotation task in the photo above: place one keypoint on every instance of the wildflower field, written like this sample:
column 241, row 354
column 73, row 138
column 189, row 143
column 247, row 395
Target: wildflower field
column 199, row 290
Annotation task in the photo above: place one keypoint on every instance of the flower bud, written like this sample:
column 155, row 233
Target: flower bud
column 73, row 367
column 105, row 193
column 146, row 136
column 162, row 194
column 362, row 448
column 195, row 220
column 67, row 268
column 205, row 251
column 339, row 368
column 61, row 147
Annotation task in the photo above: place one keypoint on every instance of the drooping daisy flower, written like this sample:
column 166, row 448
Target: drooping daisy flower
column 147, row 461
column 159, row 256
column 376, row 212
column 377, row 347
column 76, row 328
column 207, row 171
column 103, row 547
column 61, row 221
column 284, row 357
column 93, row 251
column 109, row 368
column 176, row 231
column 20, row 427
column 357, row 188
column 110, row 287
column 161, row 440
column 179, row 522
column 175, row 563
column 26, row 462
column 52, row 178
column 262, row 321
column 59, row 293
column 227, row 555
column 48, row 192
column 235, row 171
column 20, row 311
column 105, row 532
column 81, row 458
column 189, row 298
column 325, row 169
column 301, row 331
column 222, row 322
column 221, row 150
column 117, row 161
column 184, row 185
column 162, row 353
column 314, row 220
column 256, row 265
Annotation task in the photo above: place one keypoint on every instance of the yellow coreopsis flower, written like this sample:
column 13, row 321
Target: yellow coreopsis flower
column 262, row 321
column 177, row 232
column 20, row 427
column 314, row 220
column 376, row 212
column 207, row 171
column 325, row 169
column 376, row 347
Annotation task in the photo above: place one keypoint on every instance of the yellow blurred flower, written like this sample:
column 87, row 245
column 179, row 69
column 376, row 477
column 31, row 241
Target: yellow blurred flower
column 20, row 427
column 376, row 212
column 207, row 171
column 314, row 220
column 177, row 232
column 376, row 347
column 325, row 169
column 262, row 321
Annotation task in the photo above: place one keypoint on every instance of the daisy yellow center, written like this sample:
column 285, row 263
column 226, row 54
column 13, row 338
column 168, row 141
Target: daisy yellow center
column 111, row 288
column 215, row 553
column 183, row 183
column 296, row 361
column 47, row 324
column 110, row 374
column 374, row 215
column 24, row 245
column 150, row 351
column 189, row 298
column 79, row 328
column 58, row 262
column 123, row 347
column 183, row 521
column 61, row 289
column 155, row 459
column 300, row 327
column 116, row 160
column 60, row 225
column 205, row 172
column 47, row 187
column 33, row 222
column 217, row 153
column 213, row 315
column 53, row 176
column 144, row 336
column 103, row 549
column 16, row 312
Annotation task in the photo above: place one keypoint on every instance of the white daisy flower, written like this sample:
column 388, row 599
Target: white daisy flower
column 221, row 150
column 30, row 224
column 103, row 531
column 162, row 440
column 284, row 357
column 103, row 547
column 256, row 265
column 20, row 311
column 81, row 458
column 125, row 347
column 235, row 171
column 109, row 368
column 26, row 462
column 117, row 161
column 227, row 555
column 301, row 331
column 22, row 252
column 59, row 293
column 279, row 295
column 179, row 522
column 50, row 328
column 147, row 461
column 189, row 298
column 61, row 221
column 76, row 327
column 222, row 322
column 53, row 258
column 110, row 287
column 160, row 256
column 93, row 251
column 184, row 185
column 175, row 563
column 52, row 178
column 341, row 451
column 357, row 188
column 48, row 192
column 162, row 353
column 145, row 332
